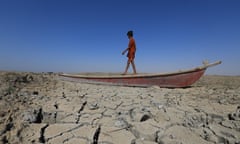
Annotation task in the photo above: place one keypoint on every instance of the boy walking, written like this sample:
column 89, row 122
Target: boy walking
column 131, row 53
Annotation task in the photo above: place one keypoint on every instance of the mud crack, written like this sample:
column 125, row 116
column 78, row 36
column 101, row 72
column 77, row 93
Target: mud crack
column 96, row 135
column 42, row 137
column 79, row 112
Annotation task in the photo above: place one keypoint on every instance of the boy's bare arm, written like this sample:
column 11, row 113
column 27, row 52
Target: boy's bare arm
column 125, row 51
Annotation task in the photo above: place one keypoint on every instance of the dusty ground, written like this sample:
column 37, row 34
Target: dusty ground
column 41, row 108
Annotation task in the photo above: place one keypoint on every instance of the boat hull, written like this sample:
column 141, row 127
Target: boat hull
column 178, row 80
column 169, row 80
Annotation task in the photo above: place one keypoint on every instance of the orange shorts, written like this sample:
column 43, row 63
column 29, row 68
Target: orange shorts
column 131, row 56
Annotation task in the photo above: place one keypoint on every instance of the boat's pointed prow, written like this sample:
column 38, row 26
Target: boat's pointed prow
column 206, row 64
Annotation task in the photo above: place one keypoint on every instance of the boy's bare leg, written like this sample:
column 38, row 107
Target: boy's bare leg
column 134, row 67
column 126, row 69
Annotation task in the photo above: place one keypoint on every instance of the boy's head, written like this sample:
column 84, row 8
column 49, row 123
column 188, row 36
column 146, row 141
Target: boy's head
column 130, row 33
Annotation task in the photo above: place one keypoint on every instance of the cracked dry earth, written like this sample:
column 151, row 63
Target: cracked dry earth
column 42, row 108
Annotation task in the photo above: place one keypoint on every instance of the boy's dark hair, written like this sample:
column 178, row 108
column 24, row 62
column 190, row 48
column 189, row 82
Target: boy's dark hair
column 130, row 33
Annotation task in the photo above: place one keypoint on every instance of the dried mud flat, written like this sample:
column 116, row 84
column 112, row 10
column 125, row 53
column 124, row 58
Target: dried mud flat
column 42, row 108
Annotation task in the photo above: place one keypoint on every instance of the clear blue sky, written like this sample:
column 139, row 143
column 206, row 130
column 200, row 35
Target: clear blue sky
column 89, row 35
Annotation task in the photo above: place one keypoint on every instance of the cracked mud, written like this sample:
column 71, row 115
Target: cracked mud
column 42, row 108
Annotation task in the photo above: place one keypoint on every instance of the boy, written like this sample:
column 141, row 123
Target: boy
column 131, row 52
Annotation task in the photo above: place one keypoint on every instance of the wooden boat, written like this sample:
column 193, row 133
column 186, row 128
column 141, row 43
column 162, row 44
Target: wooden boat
column 169, row 80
